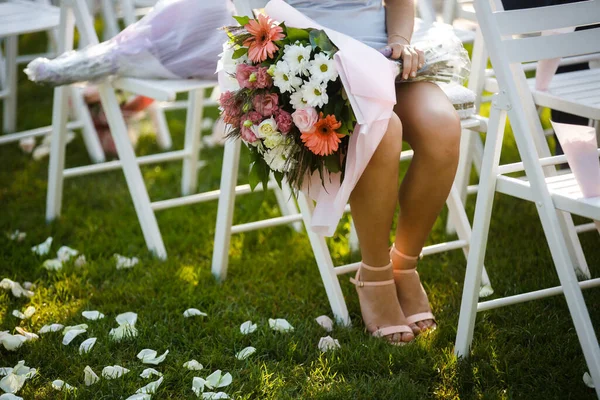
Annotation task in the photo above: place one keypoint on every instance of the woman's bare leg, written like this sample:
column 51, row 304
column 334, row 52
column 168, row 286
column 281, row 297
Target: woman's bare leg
column 432, row 128
column 373, row 203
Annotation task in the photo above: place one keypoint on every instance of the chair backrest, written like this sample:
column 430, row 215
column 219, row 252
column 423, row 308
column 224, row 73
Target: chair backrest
column 509, row 43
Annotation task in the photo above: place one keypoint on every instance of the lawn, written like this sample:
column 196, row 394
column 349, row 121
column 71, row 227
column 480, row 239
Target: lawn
column 526, row 351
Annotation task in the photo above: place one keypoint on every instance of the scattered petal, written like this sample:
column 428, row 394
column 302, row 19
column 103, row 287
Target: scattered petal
column 74, row 327
column 15, row 287
column 92, row 315
column 29, row 311
column 52, row 265
column 27, row 144
column 192, row 312
column 328, row 343
column 325, row 322
column 71, row 332
column 148, row 372
column 90, row 376
column 245, row 353
column 587, row 379
column 139, row 396
column 28, row 335
column 113, row 371
column 65, row 253
column 18, row 314
column 80, row 261
column 214, row 396
column 280, row 325
column 151, row 387
column 125, row 262
column 193, row 365
column 51, row 328
column 122, row 332
column 247, row 327
column 148, row 356
column 17, row 235
column 11, row 342
column 217, row 380
column 128, row 317
column 15, row 379
column 28, row 285
column 198, row 385
column 86, row 345
column 486, row 291
column 5, row 371
column 43, row 248
column 10, row 396
column 62, row 385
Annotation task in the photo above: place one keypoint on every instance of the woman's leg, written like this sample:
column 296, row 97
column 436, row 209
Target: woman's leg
column 373, row 203
column 432, row 128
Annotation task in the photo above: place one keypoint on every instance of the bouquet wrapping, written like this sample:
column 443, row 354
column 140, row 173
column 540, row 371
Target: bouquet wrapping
column 177, row 39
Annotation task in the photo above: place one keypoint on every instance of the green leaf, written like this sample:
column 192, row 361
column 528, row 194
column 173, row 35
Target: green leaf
column 318, row 38
column 278, row 177
column 294, row 34
column 242, row 20
column 239, row 53
column 332, row 163
column 253, row 176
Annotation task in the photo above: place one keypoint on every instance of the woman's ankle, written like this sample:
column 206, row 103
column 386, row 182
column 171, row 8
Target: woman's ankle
column 376, row 273
column 401, row 260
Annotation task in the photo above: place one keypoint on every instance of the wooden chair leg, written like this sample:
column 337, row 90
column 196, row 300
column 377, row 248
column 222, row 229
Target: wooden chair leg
column 231, row 161
column 193, row 126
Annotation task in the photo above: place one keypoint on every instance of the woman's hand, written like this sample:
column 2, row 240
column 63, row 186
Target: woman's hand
column 412, row 58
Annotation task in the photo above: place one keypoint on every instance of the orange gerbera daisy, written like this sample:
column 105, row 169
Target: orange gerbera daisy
column 323, row 140
column 264, row 32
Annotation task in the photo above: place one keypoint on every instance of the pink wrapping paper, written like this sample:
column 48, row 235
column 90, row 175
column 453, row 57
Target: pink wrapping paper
column 368, row 78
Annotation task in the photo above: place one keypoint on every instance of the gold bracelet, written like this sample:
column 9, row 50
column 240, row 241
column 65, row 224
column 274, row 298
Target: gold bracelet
column 396, row 34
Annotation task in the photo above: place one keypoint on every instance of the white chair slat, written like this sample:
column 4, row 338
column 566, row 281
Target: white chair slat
column 21, row 17
column 161, row 89
column 539, row 19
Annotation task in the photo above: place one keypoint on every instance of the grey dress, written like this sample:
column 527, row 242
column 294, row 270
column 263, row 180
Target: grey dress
column 363, row 20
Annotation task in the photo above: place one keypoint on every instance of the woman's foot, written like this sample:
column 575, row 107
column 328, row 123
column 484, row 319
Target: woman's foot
column 411, row 294
column 379, row 304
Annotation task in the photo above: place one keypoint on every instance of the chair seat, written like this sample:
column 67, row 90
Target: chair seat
column 575, row 92
column 563, row 189
column 18, row 17
column 161, row 89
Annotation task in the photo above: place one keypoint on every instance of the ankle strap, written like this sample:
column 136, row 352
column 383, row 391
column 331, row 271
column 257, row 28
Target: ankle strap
column 368, row 267
column 406, row 257
column 356, row 281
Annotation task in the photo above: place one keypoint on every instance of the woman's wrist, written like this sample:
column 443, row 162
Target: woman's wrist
column 393, row 38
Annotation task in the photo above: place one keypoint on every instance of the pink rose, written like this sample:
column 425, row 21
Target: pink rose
column 231, row 108
column 284, row 121
column 263, row 79
column 266, row 103
column 255, row 117
column 243, row 73
column 248, row 134
column 305, row 119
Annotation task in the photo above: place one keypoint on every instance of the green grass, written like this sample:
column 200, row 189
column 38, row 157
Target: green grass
column 527, row 351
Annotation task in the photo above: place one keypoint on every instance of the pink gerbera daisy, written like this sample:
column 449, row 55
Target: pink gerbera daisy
column 264, row 33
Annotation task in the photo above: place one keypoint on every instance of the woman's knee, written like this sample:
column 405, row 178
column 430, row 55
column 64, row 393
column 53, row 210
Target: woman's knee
column 438, row 134
column 391, row 144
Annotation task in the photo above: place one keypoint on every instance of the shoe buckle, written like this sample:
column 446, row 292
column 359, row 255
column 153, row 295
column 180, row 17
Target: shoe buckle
column 361, row 283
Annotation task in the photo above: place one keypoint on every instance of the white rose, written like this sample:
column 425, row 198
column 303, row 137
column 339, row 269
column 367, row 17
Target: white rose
column 267, row 128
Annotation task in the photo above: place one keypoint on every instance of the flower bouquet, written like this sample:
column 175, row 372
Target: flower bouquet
column 287, row 102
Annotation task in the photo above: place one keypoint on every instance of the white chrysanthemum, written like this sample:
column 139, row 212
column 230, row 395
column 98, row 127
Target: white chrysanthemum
column 297, row 100
column 298, row 58
column 315, row 93
column 322, row 69
column 284, row 79
column 277, row 157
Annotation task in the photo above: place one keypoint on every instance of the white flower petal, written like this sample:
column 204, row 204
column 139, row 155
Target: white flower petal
column 214, row 396
column 5, row 371
column 198, row 385
column 28, row 285
column 52, row 265
column 18, row 314
column 74, row 327
column 65, row 253
column 148, row 356
column 51, row 328
column 80, row 261
column 128, row 317
column 325, row 322
column 247, row 327
column 148, row 372
column 587, row 379
column 92, row 315
column 15, row 287
column 11, row 342
column 43, row 248
column 245, row 353
column 217, row 380
column 328, row 343
column 113, row 371
column 151, row 387
column 28, row 335
column 90, row 376
column 86, row 345
column 122, row 332
column 72, row 334
column 125, row 262
column 193, row 365
column 10, row 396
column 62, row 385
column 192, row 312
column 29, row 311
column 14, row 380
column 139, row 396
column 280, row 325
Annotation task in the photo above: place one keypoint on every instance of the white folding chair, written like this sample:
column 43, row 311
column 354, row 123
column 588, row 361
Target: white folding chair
column 76, row 12
column 540, row 182
column 18, row 17
column 427, row 12
column 329, row 273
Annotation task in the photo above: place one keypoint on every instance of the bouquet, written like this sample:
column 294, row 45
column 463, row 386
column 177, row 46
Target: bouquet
column 287, row 102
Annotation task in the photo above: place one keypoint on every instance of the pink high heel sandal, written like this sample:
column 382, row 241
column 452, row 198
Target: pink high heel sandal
column 371, row 314
column 415, row 306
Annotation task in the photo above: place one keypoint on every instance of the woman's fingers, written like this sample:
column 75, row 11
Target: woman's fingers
column 421, row 58
column 397, row 50
column 415, row 62
column 407, row 62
